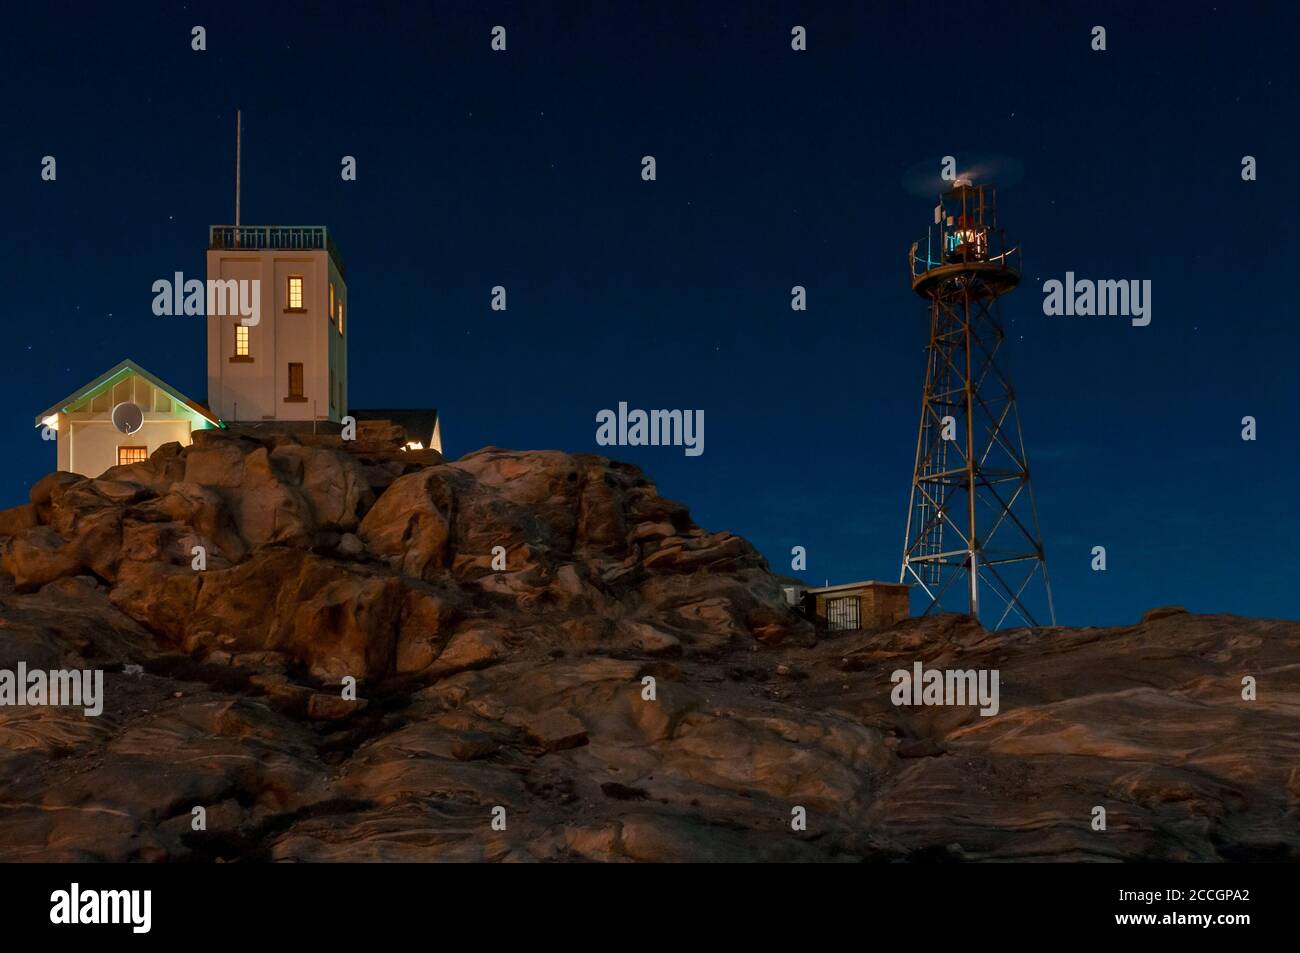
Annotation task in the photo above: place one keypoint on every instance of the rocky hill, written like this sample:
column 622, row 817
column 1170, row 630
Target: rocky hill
column 520, row 697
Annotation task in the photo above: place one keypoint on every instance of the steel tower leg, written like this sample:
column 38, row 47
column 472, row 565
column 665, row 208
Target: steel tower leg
column 972, row 521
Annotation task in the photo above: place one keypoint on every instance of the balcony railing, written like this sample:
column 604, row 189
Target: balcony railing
column 945, row 246
column 276, row 238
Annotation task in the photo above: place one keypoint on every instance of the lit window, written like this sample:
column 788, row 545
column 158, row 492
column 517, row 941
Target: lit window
column 127, row 455
column 295, row 291
column 241, row 340
column 340, row 315
column 331, row 297
column 295, row 380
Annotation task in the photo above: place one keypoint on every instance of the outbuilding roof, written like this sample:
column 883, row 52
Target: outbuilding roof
column 111, row 377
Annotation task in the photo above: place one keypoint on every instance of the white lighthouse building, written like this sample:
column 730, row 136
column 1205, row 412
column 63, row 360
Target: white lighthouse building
column 282, row 366
column 293, row 363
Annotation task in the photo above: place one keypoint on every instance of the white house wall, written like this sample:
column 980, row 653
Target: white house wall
column 256, row 390
column 88, row 443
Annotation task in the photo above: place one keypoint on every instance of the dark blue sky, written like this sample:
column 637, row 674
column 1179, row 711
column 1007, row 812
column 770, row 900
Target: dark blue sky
column 775, row 168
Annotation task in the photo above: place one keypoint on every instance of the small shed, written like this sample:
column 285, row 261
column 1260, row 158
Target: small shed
column 852, row 606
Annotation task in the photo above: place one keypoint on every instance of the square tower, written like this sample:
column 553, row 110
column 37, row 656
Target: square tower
column 292, row 364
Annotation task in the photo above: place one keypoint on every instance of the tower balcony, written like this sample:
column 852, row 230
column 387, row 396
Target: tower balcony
column 972, row 251
column 276, row 238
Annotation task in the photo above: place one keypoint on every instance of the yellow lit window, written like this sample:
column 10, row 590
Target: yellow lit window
column 331, row 297
column 241, row 340
column 295, row 291
column 340, row 316
column 132, row 455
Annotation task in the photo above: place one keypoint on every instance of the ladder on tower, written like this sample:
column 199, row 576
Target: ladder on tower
column 931, row 542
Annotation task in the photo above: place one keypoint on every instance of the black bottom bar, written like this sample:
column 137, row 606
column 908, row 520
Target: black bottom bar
column 909, row 903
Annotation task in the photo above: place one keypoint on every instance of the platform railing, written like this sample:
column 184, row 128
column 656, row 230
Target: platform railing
column 937, row 250
column 275, row 238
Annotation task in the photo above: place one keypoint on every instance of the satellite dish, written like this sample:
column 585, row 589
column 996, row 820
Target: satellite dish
column 127, row 417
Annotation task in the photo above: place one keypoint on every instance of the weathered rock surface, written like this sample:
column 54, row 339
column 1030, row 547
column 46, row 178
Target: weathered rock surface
column 627, row 687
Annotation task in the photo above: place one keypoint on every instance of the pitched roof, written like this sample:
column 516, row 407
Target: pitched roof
column 114, row 374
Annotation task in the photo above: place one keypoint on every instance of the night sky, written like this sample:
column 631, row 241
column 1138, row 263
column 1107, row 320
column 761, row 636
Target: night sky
column 775, row 168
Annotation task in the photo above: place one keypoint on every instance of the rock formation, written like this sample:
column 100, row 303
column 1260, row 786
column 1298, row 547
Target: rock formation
column 528, row 688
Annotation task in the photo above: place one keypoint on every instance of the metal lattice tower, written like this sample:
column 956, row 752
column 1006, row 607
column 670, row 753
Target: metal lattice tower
column 971, row 523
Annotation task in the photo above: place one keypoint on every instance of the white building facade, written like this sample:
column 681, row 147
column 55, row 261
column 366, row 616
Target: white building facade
column 276, row 325
column 291, row 364
column 88, row 439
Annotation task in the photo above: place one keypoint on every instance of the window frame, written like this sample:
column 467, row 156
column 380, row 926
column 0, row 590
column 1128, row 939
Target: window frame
column 247, row 356
column 300, row 307
column 300, row 396
column 144, row 450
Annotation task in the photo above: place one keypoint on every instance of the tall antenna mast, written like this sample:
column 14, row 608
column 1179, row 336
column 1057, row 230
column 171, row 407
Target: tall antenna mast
column 972, row 524
column 239, row 123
